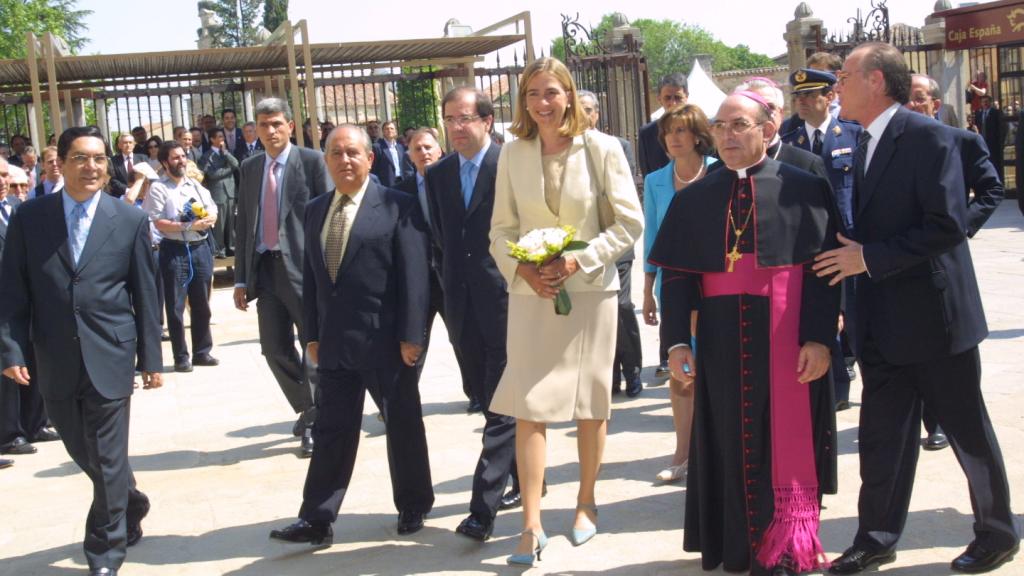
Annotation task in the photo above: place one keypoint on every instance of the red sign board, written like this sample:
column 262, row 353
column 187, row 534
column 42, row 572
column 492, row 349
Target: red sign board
column 985, row 25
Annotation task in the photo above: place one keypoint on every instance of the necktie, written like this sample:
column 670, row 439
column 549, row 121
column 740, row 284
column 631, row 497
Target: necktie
column 5, row 211
column 816, row 144
column 334, row 249
column 468, row 176
column 860, row 157
column 128, row 165
column 79, row 232
column 251, row 148
column 270, row 209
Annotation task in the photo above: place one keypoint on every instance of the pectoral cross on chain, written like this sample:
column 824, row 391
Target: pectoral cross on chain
column 733, row 256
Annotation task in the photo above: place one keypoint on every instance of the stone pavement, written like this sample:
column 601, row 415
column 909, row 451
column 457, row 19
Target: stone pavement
column 213, row 451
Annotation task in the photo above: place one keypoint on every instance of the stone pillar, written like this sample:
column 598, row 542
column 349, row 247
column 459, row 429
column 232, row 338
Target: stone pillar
column 176, row 111
column 100, row 106
column 801, row 34
column 948, row 67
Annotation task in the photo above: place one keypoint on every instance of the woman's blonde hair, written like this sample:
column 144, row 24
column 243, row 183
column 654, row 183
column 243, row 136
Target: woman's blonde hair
column 573, row 124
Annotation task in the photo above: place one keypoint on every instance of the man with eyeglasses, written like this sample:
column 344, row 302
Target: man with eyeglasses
column 124, row 164
column 78, row 268
column 739, row 250
column 460, row 188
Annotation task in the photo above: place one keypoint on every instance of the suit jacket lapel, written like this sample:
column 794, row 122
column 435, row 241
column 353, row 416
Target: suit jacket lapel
column 883, row 155
column 57, row 233
column 484, row 185
column 103, row 223
column 366, row 219
column 319, row 218
column 291, row 168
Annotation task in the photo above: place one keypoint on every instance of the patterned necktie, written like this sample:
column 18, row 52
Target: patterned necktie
column 270, row 209
column 79, row 232
column 334, row 249
column 468, row 176
column 816, row 144
column 860, row 158
column 128, row 165
column 5, row 211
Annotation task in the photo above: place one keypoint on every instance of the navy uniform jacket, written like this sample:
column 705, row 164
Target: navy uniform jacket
column 921, row 300
column 837, row 148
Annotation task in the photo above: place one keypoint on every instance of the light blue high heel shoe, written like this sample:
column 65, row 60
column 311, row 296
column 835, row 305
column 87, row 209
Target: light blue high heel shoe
column 582, row 536
column 534, row 556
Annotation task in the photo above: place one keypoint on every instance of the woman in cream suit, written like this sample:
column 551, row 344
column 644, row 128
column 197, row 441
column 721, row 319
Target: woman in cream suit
column 558, row 366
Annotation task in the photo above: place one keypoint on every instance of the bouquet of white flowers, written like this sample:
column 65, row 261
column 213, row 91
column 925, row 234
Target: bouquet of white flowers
column 540, row 246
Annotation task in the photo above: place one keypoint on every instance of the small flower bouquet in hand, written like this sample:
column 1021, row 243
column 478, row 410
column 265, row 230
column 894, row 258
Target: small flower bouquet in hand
column 540, row 246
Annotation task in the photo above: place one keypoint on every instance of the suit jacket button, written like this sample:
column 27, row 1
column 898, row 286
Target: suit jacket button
column 75, row 338
column 76, row 280
column 78, row 310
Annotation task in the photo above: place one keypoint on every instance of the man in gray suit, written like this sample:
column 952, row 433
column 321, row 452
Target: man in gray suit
column 219, row 166
column 79, row 288
column 272, row 193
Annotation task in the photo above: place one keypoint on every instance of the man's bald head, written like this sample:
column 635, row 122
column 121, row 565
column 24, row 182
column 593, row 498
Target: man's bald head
column 5, row 177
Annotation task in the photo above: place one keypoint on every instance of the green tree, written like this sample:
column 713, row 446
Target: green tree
column 239, row 21
column 59, row 17
column 274, row 12
column 416, row 99
column 671, row 46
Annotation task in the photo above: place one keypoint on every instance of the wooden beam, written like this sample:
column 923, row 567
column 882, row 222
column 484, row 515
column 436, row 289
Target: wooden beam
column 37, row 97
column 314, row 123
column 293, row 78
column 51, row 80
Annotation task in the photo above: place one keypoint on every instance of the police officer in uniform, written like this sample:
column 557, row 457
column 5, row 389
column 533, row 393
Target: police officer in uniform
column 817, row 130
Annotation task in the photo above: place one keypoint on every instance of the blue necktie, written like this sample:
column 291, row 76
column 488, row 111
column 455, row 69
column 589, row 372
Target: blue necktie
column 5, row 211
column 468, row 177
column 79, row 232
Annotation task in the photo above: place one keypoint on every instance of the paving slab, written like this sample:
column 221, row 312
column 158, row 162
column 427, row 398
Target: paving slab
column 214, row 452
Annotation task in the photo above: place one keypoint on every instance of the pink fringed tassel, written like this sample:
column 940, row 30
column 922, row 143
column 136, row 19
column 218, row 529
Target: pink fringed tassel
column 792, row 536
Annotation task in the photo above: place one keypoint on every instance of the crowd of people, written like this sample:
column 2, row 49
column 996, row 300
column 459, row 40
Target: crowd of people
column 778, row 254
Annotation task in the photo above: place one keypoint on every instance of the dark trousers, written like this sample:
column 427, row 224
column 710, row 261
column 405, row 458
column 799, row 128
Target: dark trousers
column 483, row 353
column 224, row 229
column 94, row 430
column 340, row 398
column 21, row 408
column 159, row 285
column 628, row 355
column 279, row 313
column 889, row 439
column 840, row 377
column 176, row 258
column 437, row 309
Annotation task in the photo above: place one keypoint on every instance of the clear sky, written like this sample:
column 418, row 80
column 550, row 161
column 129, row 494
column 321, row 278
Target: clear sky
column 759, row 24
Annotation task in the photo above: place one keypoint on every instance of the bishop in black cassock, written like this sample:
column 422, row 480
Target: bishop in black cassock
column 739, row 251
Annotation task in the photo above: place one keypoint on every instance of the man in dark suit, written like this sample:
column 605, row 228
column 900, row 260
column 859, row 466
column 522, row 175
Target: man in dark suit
column 232, row 133
column 269, row 234
column 366, row 296
column 989, row 121
column 123, row 165
column 672, row 92
column 460, row 189
column 219, row 167
column 919, row 317
column 78, row 268
column 250, row 145
column 51, row 180
column 388, row 157
column 981, row 182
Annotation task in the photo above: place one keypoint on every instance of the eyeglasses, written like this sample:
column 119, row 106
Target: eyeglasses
column 83, row 159
column 460, row 121
column 737, row 127
column 678, row 98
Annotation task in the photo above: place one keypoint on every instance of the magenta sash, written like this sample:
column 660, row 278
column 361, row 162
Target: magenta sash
column 793, row 532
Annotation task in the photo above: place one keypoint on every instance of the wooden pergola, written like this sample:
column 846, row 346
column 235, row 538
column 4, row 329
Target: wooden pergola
column 46, row 71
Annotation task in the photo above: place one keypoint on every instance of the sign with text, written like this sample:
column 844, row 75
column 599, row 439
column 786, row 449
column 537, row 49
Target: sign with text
column 1002, row 23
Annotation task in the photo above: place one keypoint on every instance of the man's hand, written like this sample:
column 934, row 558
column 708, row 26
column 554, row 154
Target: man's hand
column 813, row 362
column 313, row 353
column 18, row 373
column 410, row 353
column 681, row 365
column 845, row 261
column 650, row 311
column 240, row 302
column 152, row 380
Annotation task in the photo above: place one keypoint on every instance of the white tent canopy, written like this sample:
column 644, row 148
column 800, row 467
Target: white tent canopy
column 703, row 91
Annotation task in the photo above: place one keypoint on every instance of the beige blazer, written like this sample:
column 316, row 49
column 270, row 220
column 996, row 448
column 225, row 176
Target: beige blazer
column 519, row 207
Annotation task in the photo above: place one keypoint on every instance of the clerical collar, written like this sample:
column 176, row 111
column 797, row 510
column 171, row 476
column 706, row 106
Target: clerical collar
column 742, row 172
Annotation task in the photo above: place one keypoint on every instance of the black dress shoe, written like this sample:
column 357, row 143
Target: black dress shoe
column 18, row 446
column 634, row 386
column 102, row 572
column 476, row 528
column 165, row 337
column 133, row 518
column 5, row 463
column 662, row 371
column 306, row 449
column 46, row 434
column 977, row 559
column 857, row 559
column 842, row 405
column 511, row 499
column 304, row 532
column 204, row 360
column 936, row 441
column 474, row 406
column 410, row 521
column 182, row 366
